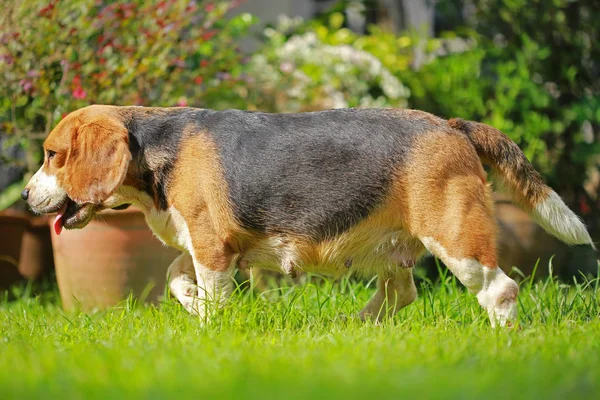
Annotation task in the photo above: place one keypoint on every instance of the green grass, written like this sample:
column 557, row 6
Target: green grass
column 302, row 342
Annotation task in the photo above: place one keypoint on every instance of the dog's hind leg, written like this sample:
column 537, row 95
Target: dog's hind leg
column 395, row 290
column 495, row 291
column 461, row 231
column 448, row 206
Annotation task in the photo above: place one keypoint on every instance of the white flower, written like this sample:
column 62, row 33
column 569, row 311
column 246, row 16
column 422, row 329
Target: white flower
column 286, row 67
column 345, row 75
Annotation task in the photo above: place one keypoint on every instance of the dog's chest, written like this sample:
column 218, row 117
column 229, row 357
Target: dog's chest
column 170, row 227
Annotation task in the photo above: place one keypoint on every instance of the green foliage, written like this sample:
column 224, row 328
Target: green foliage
column 56, row 57
column 450, row 86
column 11, row 194
column 303, row 342
column 539, row 78
column 500, row 92
column 553, row 45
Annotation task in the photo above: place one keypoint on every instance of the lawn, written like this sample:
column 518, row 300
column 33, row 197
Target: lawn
column 303, row 342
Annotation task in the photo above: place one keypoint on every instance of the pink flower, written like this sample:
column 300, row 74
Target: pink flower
column 26, row 85
column 7, row 58
column 79, row 93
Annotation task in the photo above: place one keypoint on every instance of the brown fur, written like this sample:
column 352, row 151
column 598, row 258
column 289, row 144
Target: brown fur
column 134, row 179
column 447, row 198
column 379, row 240
column 199, row 192
column 420, row 115
column 508, row 162
column 89, row 166
column 431, row 197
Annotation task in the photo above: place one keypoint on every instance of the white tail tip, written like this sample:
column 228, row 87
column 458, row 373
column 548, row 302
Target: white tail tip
column 558, row 220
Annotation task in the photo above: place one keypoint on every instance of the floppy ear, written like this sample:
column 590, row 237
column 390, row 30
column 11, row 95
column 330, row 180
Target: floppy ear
column 97, row 161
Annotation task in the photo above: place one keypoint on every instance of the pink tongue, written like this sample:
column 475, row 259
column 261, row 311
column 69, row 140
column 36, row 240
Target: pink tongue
column 58, row 222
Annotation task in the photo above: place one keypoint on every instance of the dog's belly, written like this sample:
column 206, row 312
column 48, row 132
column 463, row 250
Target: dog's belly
column 363, row 251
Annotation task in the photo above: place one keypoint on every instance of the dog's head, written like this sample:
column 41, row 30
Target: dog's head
column 86, row 158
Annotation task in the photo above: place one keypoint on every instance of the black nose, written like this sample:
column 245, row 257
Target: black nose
column 25, row 194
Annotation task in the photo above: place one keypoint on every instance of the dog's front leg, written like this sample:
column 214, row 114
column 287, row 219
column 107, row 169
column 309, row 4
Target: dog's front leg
column 182, row 281
column 214, row 265
column 199, row 289
column 214, row 288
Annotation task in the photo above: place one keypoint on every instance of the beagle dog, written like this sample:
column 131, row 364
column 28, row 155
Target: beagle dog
column 363, row 191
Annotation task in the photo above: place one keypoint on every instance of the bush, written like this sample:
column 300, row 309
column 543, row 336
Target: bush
column 56, row 58
column 501, row 92
column 555, row 43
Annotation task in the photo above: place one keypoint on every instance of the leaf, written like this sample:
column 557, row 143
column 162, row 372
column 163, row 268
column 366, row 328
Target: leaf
column 11, row 194
column 336, row 20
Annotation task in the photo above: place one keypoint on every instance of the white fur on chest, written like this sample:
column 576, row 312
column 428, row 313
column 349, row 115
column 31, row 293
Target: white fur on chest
column 170, row 227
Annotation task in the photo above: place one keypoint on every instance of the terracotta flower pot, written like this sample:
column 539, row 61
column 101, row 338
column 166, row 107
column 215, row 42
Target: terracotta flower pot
column 12, row 227
column 115, row 255
column 25, row 247
column 36, row 258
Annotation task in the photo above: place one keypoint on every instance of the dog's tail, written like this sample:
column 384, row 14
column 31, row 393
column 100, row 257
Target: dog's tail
column 523, row 182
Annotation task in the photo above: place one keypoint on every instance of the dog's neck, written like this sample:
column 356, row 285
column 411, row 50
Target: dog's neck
column 154, row 139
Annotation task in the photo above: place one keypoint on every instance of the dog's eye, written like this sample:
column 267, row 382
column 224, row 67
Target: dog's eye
column 50, row 154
